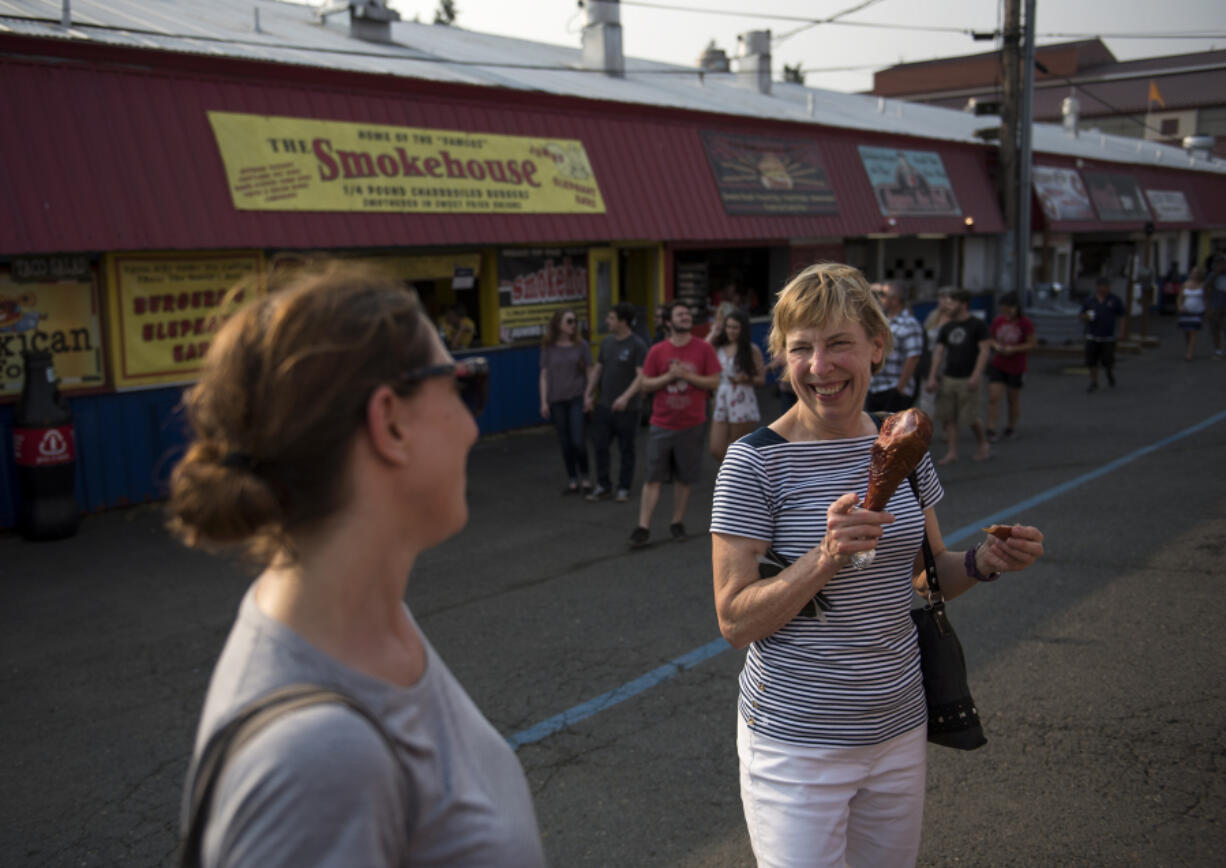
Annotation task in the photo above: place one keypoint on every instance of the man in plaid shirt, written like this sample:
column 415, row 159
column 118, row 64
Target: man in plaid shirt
column 893, row 387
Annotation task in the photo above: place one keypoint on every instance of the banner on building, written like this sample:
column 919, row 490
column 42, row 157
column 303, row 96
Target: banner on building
column 1116, row 196
column 301, row 164
column 40, row 312
column 1061, row 193
column 165, row 309
column 771, row 176
column 1169, row 206
column 533, row 285
column 909, row 183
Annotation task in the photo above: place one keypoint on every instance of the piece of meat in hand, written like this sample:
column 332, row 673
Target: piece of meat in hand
column 900, row 447
column 1000, row 531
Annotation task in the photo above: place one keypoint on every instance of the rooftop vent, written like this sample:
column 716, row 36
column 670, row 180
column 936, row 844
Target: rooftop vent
column 602, row 37
column 371, row 20
column 753, row 62
column 713, row 59
column 1198, row 146
column 1070, row 109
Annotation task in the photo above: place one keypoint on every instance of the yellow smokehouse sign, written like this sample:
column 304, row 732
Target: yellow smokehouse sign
column 299, row 164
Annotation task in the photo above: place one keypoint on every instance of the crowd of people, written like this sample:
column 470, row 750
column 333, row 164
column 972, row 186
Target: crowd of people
column 326, row 674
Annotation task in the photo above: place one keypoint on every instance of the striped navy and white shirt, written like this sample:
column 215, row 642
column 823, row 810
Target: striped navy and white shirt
column 908, row 341
column 852, row 678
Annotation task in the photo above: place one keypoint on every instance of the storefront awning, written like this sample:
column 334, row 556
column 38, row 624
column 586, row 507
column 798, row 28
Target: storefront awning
column 104, row 154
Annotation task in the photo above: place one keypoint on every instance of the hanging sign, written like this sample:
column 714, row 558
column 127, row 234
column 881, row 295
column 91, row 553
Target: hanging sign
column 43, row 313
column 772, row 176
column 165, row 309
column 909, row 183
column 302, row 164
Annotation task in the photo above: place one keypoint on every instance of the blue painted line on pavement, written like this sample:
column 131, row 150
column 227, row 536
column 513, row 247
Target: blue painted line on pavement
column 1064, row 487
column 584, row 710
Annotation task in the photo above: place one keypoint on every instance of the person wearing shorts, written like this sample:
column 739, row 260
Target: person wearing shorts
column 1012, row 336
column 682, row 372
column 959, row 359
column 1100, row 312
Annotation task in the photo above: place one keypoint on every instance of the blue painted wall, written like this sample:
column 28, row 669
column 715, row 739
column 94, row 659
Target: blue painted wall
column 128, row 442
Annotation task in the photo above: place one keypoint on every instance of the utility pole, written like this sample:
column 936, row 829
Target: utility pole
column 1021, row 258
column 1009, row 138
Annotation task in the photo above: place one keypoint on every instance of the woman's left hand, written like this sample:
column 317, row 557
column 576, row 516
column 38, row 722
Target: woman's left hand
column 1023, row 547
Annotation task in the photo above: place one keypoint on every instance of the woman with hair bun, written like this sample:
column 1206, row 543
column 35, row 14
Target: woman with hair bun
column 330, row 443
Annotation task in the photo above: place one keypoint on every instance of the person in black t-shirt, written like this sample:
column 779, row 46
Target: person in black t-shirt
column 959, row 358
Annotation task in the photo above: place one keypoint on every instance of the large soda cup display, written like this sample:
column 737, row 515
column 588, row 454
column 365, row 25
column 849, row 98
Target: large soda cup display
column 45, row 452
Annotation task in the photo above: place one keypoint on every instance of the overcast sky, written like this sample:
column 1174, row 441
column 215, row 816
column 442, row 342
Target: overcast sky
column 680, row 36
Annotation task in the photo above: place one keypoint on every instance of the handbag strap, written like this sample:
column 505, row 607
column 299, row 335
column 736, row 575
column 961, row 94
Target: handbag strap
column 231, row 738
column 930, row 564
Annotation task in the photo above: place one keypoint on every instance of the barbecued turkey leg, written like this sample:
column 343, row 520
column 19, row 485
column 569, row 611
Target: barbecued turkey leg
column 899, row 448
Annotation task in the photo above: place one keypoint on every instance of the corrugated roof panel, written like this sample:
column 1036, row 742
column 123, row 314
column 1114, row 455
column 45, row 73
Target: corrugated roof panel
column 291, row 33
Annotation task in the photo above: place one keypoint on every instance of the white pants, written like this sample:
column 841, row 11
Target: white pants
column 814, row 807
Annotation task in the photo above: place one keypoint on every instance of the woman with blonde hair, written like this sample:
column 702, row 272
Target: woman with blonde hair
column 331, row 431
column 832, row 717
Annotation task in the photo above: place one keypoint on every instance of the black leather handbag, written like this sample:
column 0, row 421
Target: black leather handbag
column 953, row 719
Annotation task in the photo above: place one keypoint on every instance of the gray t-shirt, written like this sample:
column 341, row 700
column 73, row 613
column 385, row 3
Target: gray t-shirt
column 318, row 786
column 618, row 363
column 567, row 370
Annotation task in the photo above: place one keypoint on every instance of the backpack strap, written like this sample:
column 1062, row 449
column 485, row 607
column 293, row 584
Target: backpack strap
column 251, row 720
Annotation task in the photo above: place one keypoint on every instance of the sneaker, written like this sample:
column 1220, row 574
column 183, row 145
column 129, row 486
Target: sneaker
column 677, row 529
column 639, row 537
column 1110, row 378
column 992, row 438
column 1008, row 433
column 623, row 495
column 598, row 493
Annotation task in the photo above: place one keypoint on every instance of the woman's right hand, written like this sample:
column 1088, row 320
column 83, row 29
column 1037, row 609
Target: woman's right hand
column 544, row 410
column 850, row 529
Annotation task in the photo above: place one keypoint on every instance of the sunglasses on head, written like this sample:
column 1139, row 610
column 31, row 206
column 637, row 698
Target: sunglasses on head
column 472, row 379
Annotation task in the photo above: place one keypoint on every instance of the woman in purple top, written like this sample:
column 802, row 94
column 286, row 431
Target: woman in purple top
column 564, row 362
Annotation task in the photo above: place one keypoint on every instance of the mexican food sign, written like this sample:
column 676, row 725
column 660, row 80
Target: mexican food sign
column 301, row 164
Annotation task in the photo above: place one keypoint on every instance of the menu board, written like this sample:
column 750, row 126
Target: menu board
column 765, row 175
column 692, row 285
column 1170, row 206
column 1061, row 193
column 1116, row 196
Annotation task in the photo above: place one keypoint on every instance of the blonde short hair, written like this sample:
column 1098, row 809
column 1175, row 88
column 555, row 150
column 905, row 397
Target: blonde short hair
column 825, row 293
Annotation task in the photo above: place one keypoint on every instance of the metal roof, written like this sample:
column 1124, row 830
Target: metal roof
column 268, row 30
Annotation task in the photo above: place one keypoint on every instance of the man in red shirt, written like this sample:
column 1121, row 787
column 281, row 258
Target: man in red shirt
column 681, row 371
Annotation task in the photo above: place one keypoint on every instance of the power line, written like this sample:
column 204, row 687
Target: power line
column 837, row 21
column 831, row 19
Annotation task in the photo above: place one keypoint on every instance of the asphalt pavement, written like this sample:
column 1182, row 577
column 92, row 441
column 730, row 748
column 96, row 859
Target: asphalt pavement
column 1099, row 673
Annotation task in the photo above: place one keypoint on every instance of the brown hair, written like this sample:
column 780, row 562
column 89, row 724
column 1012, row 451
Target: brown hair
column 283, row 389
column 554, row 328
column 826, row 293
